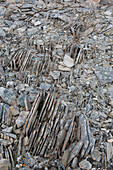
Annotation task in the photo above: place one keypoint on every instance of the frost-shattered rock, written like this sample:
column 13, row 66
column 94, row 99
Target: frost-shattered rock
column 56, row 68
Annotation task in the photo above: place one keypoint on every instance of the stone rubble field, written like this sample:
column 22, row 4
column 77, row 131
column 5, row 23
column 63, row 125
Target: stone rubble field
column 56, row 85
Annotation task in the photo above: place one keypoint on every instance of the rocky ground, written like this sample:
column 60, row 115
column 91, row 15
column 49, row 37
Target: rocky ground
column 56, row 84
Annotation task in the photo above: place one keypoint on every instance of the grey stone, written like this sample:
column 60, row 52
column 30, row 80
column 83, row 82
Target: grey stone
column 2, row 33
column 27, row 103
column 5, row 142
column 96, row 155
column 21, row 118
column 21, row 100
column 26, row 5
column 85, row 165
column 32, row 31
column 109, row 151
column 8, row 95
column 55, row 74
column 8, row 129
column 1, row 107
column 44, row 86
column 14, row 110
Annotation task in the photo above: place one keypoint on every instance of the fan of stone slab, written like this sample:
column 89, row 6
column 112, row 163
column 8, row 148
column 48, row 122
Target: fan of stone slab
column 50, row 133
column 20, row 60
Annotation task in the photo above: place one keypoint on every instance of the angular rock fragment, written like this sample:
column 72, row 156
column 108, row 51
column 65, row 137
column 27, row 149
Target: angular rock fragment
column 68, row 61
column 109, row 150
column 20, row 121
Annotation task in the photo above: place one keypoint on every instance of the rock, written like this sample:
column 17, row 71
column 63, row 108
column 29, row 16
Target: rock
column 4, row 164
column 27, row 103
column 21, row 119
column 32, row 31
column 68, row 61
column 85, row 165
column 26, row 141
column 26, row 5
column 72, row 88
column 14, row 110
column 104, row 74
column 74, row 163
column 44, row 86
column 10, row 84
column 6, row 115
column 109, row 32
column 8, row 129
column 1, row 69
column 65, row 157
column 108, row 2
column 29, row 160
column 5, row 142
column 108, row 12
column 37, row 23
column 88, row 31
column 2, row 33
column 1, row 109
column 7, row 95
column 55, row 74
column 21, row 100
column 96, row 155
column 63, row 68
column 109, row 151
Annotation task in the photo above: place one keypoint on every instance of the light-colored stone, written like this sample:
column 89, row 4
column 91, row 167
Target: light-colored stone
column 68, row 61
column 85, row 165
column 109, row 151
